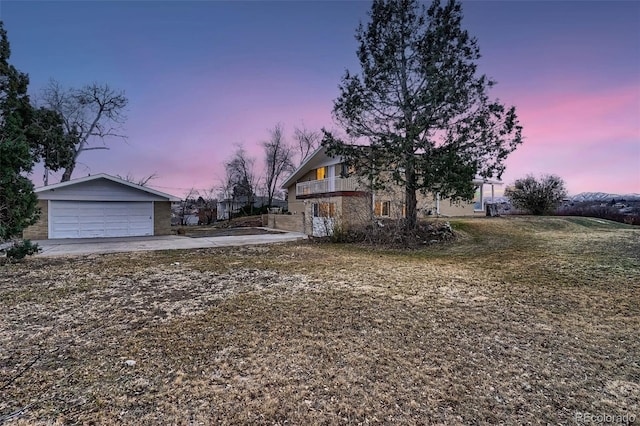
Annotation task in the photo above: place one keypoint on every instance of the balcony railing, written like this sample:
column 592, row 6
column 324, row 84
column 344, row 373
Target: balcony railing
column 335, row 184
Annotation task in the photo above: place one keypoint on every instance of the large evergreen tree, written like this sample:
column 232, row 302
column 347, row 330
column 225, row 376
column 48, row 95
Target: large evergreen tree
column 18, row 203
column 421, row 105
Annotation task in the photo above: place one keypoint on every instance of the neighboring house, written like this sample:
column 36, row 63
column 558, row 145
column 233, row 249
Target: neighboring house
column 100, row 206
column 323, row 190
column 236, row 204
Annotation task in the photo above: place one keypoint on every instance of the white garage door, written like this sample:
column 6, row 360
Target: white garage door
column 87, row 219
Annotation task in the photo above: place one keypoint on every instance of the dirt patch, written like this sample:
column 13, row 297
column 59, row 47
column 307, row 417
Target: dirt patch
column 514, row 323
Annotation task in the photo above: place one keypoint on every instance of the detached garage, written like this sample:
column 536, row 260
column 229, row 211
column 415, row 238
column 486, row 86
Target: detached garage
column 100, row 206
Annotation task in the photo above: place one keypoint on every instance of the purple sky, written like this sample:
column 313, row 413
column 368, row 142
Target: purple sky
column 203, row 76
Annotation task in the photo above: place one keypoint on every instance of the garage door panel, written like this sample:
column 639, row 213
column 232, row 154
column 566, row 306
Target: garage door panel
column 65, row 229
column 87, row 219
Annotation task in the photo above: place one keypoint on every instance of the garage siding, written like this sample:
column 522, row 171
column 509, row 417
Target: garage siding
column 162, row 218
column 40, row 230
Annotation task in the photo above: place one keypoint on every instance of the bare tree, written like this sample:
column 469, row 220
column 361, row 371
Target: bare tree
column 143, row 181
column 226, row 190
column 240, row 177
column 92, row 112
column 186, row 205
column 207, row 206
column 307, row 141
column 277, row 160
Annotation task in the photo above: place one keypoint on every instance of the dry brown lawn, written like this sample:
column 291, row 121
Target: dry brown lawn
column 521, row 320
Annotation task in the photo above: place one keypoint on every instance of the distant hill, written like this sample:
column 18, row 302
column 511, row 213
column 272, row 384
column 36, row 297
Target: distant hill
column 603, row 197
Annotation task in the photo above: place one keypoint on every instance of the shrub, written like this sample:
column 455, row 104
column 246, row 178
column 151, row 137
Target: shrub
column 21, row 249
column 535, row 196
column 391, row 233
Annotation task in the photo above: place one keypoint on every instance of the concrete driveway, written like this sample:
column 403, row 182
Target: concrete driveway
column 79, row 246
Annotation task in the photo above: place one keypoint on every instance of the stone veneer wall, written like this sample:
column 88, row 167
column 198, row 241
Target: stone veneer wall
column 39, row 230
column 285, row 222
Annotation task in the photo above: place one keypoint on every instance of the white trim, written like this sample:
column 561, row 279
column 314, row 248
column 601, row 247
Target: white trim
column 48, row 218
column 286, row 183
column 313, row 161
column 481, row 201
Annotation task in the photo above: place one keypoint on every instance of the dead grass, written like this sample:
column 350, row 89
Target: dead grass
column 523, row 320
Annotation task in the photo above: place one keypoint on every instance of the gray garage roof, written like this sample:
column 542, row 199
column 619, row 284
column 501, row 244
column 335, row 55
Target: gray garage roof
column 101, row 187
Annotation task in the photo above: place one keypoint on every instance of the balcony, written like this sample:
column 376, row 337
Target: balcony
column 329, row 185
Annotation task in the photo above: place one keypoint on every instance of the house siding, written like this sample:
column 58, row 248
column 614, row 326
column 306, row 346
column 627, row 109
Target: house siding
column 162, row 218
column 449, row 208
column 358, row 207
column 311, row 175
column 295, row 206
column 39, row 230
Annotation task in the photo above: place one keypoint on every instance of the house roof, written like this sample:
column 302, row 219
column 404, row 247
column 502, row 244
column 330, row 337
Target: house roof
column 114, row 179
column 313, row 161
column 319, row 158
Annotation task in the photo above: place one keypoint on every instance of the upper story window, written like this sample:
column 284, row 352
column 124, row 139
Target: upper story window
column 321, row 173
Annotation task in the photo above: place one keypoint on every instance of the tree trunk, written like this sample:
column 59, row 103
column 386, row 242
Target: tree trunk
column 66, row 176
column 410, row 201
column 410, row 195
column 411, row 210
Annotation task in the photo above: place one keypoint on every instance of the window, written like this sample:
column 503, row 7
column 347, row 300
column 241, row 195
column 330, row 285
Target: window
column 382, row 208
column 324, row 209
column 321, row 173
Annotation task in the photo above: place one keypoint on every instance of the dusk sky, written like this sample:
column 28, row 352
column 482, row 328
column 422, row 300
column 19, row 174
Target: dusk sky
column 203, row 76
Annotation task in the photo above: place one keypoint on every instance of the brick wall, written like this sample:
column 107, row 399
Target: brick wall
column 161, row 218
column 39, row 230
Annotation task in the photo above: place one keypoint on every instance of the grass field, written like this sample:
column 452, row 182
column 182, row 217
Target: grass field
column 522, row 320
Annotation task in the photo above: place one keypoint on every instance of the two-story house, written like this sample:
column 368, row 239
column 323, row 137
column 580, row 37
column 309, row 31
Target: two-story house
column 325, row 192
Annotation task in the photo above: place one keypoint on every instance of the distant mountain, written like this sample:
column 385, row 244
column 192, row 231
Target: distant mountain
column 603, row 197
